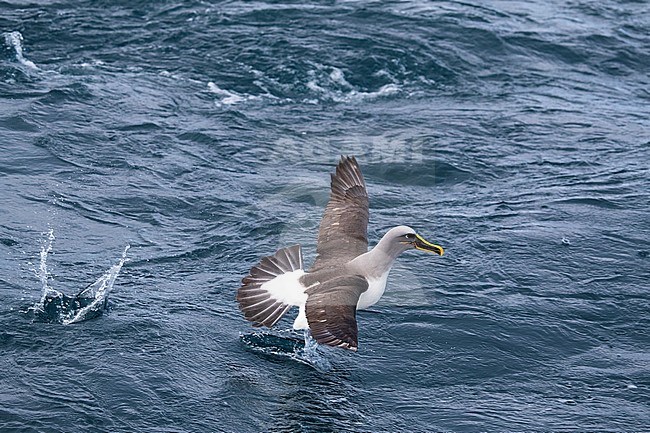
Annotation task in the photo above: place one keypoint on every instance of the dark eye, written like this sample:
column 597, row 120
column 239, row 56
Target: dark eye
column 409, row 236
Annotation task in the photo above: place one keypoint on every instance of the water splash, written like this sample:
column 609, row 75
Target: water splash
column 312, row 354
column 97, row 291
column 42, row 272
column 56, row 307
column 15, row 40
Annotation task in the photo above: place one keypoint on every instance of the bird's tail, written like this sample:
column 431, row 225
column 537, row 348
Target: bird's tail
column 272, row 287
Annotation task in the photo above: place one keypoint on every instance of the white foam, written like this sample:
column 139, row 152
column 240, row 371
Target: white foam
column 333, row 86
column 228, row 97
column 386, row 90
column 338, row 77
column 312, row 85
column 354, row 95
column 93, row 64
column 15, row 41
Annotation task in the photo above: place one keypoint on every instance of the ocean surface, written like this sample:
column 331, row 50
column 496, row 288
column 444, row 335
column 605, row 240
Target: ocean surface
column 151, row 152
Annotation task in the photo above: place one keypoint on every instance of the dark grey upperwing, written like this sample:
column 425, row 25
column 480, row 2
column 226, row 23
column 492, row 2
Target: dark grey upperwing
column 343, row 232
column 331, row 310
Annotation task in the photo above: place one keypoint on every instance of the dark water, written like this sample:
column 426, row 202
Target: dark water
column 515, row 134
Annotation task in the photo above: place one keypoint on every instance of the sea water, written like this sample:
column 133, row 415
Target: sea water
column 202, row 134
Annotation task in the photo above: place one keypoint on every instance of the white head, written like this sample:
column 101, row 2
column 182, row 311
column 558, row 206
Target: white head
column 380, row 259
column 402, row 238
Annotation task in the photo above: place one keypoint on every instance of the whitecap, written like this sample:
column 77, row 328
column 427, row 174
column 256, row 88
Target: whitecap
column 92, row 64
column 331, row 84
column 338, row 77
column 312, row 85
column 354, row 95
column 228, row 97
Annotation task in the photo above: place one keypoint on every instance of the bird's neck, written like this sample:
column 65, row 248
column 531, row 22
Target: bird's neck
column 379, row 260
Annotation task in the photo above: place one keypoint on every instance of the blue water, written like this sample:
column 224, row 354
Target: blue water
column 515, row 134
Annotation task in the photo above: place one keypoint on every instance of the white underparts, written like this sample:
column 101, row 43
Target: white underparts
column 376, row 288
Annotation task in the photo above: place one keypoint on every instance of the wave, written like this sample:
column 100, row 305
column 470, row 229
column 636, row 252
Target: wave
column 335, row 87
column 229, row 97
column 322, row 84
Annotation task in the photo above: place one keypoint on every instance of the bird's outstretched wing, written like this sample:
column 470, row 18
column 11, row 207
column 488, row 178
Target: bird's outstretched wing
column 331, row 310
column 343, row 232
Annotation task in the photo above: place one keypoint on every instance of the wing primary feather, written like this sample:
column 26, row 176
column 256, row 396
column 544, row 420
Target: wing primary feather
column 343, row 232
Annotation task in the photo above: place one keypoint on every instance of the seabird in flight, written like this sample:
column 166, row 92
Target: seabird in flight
column 345, row 276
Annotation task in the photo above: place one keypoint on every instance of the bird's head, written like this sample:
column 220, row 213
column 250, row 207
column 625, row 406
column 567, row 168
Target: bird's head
column 408, row 238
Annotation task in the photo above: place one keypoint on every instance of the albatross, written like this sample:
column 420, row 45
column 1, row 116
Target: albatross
column 345, row 276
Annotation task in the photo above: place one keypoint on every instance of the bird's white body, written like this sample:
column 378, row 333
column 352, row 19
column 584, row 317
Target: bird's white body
column 376, row 288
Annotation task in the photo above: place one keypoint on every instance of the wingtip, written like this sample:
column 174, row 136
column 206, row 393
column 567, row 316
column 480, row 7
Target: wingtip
column 347, row 174
column 348, row 159
column 349, row 345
